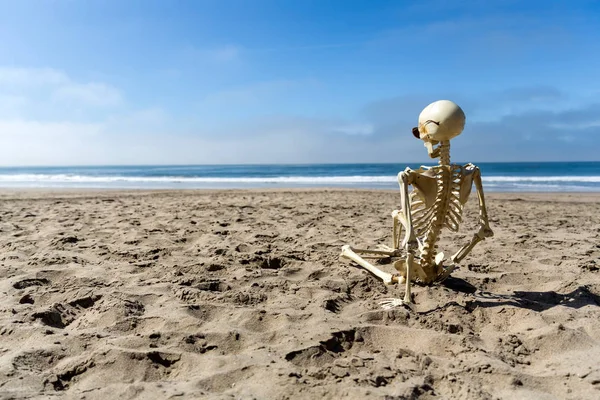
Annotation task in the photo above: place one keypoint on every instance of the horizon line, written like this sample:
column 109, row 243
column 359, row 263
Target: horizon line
column 284, row 164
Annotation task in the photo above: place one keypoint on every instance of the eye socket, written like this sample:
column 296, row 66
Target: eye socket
column 415, row 132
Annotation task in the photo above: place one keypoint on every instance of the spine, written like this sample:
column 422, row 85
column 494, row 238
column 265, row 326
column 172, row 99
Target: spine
column 432, row 236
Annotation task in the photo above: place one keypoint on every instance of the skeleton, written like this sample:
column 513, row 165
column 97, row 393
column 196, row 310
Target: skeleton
column 434, row 204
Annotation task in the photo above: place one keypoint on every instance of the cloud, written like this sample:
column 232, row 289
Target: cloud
column 51, row 131
column 149, row 137
column 13, row 76
column 25, row 142
column 12, row 105
column 534, row 135
column 35, row 84
column 135, row 139
column 147, row 121
column 94, row 94
column 522, row 123
column 379, row 132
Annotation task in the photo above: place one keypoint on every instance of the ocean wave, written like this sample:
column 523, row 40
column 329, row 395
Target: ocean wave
column 589, row 179
column 193, row 179
column 540, row 187
column 72, row 178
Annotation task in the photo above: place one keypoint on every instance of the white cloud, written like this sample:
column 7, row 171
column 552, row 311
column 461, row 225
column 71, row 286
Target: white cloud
column 14, row 76
column 15, row 100
column 136, row 139
column 24, row 130
column 30, row 83
column 94, row 94
column 150, row 137
column 46, row 143
column 381, row 133
column 147, row 120
column 12, row 105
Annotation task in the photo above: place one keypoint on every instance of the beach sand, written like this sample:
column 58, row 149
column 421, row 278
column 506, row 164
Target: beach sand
column 240, row 294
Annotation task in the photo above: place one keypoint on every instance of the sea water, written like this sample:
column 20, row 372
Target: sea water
column 504, row 177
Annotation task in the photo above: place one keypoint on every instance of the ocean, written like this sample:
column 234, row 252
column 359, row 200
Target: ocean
column 499, row 177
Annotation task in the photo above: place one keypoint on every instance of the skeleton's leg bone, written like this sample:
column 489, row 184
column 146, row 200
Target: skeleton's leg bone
column 409, row 267
column 387, row 278
column 395, row 229
column 388, row 250
column 389, row 304
column 376, row 253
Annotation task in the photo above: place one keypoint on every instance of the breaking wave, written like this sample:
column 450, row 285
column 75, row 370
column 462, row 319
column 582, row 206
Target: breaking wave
column 495, row 183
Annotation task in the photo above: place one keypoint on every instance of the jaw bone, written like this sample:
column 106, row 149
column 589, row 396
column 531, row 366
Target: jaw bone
column 433, row 152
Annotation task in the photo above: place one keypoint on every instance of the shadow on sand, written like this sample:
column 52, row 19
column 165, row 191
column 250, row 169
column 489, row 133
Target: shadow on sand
column 535, row 301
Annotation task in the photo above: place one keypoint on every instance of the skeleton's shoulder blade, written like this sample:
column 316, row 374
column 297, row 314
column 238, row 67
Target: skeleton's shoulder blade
column 425, row 183
column 467, row 172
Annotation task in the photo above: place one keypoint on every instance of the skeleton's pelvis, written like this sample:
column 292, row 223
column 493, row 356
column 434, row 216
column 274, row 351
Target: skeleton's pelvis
column 400, row 266
column 425, row 273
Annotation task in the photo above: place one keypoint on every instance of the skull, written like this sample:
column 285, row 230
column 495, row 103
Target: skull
column 439, row 121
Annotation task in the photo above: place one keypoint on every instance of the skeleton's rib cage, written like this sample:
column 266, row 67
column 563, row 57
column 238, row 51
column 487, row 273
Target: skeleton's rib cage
column 436, row 201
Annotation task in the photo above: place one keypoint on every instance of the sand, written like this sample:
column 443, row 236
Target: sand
column 240, row 294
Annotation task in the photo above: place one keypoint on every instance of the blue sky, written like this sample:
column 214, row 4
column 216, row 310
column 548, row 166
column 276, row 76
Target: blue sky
column 257, row 81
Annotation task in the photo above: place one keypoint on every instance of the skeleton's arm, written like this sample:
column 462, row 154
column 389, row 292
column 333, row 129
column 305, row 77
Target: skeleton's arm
column 484, row 226
column 484, row 223
column 398, row 218
column 406, row 178
column 396, row 230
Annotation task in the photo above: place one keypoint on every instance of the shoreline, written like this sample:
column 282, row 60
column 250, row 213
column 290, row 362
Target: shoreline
column 86, row 192
column 258, row 189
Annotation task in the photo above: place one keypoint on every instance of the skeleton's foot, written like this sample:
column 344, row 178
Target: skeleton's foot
column 390, row 304
column 385, row 248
